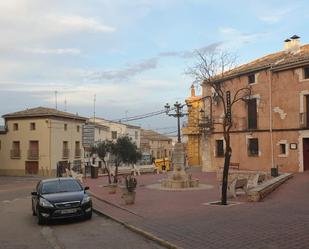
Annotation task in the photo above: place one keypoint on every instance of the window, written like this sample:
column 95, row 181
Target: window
column 65, row 149
column 15, row 126
column 252, row 114
column 253, row 147
column 65, row 127
column 114, row 134
column 219, row 148
column 251, row 78
column 282, row 148
column 77, row 128
column 32, row 126
column 15, row 152
column 306, row 73
column 136, row 135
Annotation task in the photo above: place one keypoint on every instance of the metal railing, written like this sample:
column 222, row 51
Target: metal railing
column 78, row 152
column 65, row 153
column 15, row 154
column 33, row 154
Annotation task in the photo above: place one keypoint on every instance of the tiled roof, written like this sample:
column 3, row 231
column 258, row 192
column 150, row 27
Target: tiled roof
column 275, row 60
column 42, row 112
column 152, row 135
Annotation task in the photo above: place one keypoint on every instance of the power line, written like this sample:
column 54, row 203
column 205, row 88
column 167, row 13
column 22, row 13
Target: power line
column 142, row 116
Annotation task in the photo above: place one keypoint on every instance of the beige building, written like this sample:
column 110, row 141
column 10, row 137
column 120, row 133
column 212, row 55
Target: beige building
column 271, row 128
column 117, row 129
column 156, row 144
column 36, row 140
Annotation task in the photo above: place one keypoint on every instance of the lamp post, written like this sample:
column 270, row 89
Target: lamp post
column 178, row 114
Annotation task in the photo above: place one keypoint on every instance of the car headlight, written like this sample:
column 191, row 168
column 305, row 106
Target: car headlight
column 45, row 203
column 86, row 199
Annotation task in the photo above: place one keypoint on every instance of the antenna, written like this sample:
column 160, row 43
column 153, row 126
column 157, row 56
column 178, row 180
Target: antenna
column 94, row 99
column 56, row 92
column 65, row 103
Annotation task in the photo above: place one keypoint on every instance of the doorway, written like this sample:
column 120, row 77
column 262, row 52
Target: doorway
column 306, row 153
column 32, row 168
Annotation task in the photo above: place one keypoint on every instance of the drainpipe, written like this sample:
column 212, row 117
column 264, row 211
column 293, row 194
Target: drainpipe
column 270, row 117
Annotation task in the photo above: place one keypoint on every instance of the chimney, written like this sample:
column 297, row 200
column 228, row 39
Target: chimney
column 287, row 44
column 292, row 45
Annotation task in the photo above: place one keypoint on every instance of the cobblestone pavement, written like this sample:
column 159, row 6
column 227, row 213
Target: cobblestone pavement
column 181, row 217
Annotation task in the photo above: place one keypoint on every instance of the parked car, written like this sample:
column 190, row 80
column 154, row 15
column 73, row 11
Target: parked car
column 59, row 198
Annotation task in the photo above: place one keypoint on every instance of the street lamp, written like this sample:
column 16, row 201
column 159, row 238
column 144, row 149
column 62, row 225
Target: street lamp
column 178, row 114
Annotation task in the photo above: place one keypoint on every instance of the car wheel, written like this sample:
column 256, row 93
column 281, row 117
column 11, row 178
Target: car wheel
column 33, row 210
column 88, row 216
column 41, row 220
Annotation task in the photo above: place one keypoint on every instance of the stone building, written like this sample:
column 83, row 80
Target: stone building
column 156, row 144
column 271, row 128
column 36, row 140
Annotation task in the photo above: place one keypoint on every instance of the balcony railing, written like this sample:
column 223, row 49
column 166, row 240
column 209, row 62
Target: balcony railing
column 33, row 154
column 65, row 153
column 15, row 154
column 303, row 122
column 78, row 153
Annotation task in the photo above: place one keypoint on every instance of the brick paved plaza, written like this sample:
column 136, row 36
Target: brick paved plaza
column 183, row 218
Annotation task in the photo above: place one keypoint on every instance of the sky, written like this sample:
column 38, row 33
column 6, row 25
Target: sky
column 132, row 55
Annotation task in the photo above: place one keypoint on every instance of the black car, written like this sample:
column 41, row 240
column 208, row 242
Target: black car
column 59, row 198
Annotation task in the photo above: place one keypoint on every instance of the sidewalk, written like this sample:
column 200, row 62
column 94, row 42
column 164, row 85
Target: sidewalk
column 183, row 219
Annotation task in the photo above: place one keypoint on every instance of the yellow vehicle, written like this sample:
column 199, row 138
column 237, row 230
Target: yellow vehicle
column 163, row 164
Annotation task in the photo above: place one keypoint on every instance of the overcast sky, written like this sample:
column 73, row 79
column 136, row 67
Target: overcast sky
column 131, row 54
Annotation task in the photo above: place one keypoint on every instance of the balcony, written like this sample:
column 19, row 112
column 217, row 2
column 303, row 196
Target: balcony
column 65, row 153
column 15, row 154
column 78, row 153
column 33, row 154
column 303, row 122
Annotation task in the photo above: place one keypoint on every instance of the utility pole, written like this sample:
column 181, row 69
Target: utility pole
column 56, row 92
column 94, row 100
column 65, row 104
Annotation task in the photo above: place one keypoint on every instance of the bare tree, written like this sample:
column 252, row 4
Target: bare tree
column 212, row 70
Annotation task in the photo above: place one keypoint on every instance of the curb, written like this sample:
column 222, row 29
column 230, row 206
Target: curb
column 139, row 231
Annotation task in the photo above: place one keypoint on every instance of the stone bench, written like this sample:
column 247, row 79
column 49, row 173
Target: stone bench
column 238, row 184
column 260, row 191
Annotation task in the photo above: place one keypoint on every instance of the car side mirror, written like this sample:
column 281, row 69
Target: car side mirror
column 86, row 188
column 34, row 193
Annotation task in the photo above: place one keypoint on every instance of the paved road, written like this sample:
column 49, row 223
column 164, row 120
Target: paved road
column 19, row 230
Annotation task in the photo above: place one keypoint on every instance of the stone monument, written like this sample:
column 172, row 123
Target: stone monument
column 179, row 178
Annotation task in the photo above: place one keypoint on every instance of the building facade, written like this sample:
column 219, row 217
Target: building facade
column 271, row 127
column 156, row 144
column 118, row 129
column 192, row 130
column 36, row 140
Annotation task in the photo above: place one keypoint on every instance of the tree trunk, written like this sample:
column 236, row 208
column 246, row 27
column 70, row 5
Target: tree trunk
column 116, row 172
column 108, row 172
column 227, row 158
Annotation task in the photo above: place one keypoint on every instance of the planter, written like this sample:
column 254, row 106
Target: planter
column 94, row 172
column 274, row 172
column 129, row 197
column 112, row 188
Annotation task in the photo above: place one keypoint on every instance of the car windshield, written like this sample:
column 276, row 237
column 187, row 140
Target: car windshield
column 60, row 186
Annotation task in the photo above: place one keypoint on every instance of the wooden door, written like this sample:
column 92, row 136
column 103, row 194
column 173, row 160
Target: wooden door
column 306, row 153
column 31, row 167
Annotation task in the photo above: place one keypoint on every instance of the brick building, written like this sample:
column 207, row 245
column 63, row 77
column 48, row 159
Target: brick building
column 271, row 128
